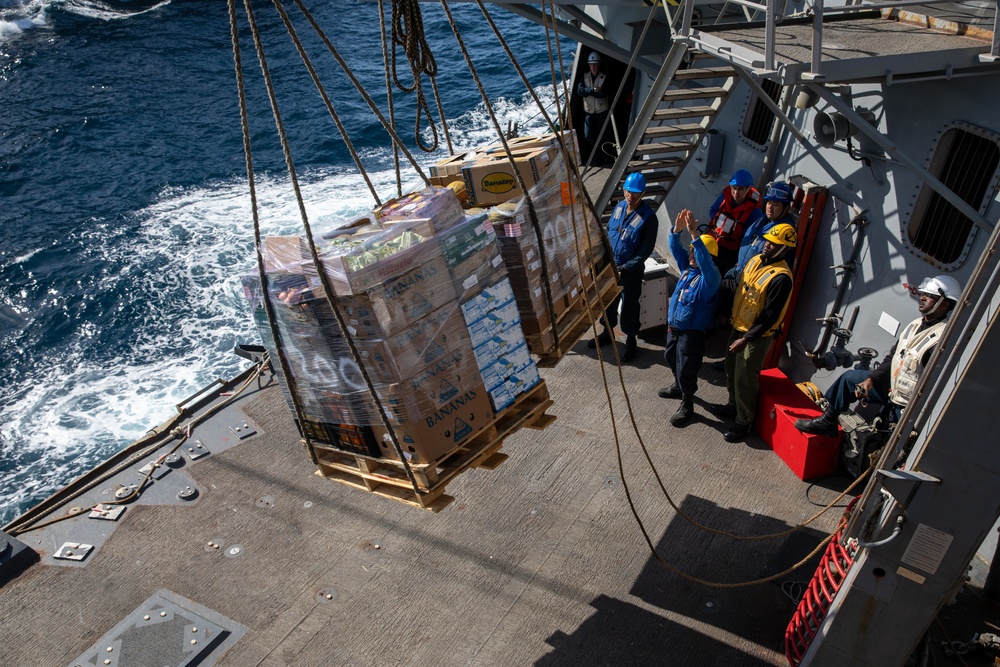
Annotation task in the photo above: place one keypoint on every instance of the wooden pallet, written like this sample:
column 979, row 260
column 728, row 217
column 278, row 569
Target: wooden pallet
column 387, row 478
column 576, row 321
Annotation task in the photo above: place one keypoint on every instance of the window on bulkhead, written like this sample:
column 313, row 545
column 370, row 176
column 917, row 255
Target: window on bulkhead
column 965, row 160
column 759, row 120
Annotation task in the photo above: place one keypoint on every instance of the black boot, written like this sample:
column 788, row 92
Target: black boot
column 605, row 338
column 629, row 353
column 673, row 391
column 826, row 424
column 684, row 412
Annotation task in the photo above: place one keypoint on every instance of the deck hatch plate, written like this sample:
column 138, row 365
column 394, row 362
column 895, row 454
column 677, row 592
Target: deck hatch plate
column 165, row 630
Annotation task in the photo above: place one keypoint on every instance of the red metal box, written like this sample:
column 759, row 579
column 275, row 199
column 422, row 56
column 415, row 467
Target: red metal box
column 779, row 405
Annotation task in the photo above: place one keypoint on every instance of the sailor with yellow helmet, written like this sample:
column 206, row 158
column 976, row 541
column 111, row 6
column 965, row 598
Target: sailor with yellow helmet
column 691, row 313
column 761, row 298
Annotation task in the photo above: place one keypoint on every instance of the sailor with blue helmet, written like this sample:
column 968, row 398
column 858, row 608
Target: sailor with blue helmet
column 734, row 211
column 777, row 206
column 632, row 233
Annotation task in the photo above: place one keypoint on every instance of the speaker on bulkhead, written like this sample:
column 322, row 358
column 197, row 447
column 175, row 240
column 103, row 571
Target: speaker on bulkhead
column 829, row 128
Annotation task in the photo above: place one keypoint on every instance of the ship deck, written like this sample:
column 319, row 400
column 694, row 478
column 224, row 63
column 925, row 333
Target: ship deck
column 538, row 562
column 864, row 46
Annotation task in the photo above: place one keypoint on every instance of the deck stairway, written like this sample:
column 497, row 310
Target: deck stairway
column 685, row 97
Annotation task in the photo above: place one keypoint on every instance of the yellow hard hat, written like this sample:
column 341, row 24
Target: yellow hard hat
column 710, row 244
column 783, row 234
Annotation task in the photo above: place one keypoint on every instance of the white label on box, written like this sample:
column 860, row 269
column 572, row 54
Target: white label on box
column 497, row 261
column 470, row 282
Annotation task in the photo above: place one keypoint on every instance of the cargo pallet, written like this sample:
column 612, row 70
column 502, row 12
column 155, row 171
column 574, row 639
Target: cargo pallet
column 387, row 477
column 575, row 322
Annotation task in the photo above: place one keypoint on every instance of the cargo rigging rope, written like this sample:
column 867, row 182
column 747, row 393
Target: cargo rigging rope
column 645, row 451
column 326, row 98
column 390, row 100
column 389, row 128
column 324, row 278
column 408, row 33
column 248, row 157
column 546, row 282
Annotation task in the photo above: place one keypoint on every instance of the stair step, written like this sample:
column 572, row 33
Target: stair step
column 704, row 73
column 659, row 177
column 701, row 93
column 677, row 130
column 677, row 113
column 665, row 147
column 666, row 163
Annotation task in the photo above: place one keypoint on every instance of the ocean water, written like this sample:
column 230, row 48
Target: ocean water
column 124, row 203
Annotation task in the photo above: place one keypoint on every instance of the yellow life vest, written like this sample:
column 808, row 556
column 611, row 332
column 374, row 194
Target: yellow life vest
column 752, row 294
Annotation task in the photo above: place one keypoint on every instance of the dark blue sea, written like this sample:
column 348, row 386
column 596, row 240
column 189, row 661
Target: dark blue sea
column 124, row 199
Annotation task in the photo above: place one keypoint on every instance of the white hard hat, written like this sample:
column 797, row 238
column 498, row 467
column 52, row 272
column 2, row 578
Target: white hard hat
column 939, row 286
column 594, row 57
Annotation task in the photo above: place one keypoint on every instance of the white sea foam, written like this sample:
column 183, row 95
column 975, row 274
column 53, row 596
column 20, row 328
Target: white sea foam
column 107, row 11
column 192, row 247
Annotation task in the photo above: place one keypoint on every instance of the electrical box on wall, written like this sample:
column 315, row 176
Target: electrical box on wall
column 712, row 146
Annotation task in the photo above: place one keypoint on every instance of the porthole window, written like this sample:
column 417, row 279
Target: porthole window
column 759, row 119
column 965, row 160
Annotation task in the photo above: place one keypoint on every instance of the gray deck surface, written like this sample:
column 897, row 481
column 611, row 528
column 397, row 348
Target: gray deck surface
column 537, row 562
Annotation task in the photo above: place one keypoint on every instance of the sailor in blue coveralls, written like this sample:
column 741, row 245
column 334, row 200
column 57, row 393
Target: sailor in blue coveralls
column 777, row 207
column 691, row 314
column 632, row 233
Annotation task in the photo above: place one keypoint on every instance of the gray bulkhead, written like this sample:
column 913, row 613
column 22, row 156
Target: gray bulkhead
column 913, row 116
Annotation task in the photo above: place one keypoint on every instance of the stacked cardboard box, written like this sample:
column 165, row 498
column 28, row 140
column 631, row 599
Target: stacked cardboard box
column 399, row 289
column 570, row 241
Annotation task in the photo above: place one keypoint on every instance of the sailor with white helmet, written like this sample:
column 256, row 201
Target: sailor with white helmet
column 892, row 382
column 593, row 91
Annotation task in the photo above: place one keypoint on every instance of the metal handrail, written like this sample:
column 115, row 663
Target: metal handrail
column 818, row 12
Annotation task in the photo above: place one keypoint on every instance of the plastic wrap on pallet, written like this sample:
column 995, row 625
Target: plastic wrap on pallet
column 399, row 291
column 472, row 255
column 571, row 239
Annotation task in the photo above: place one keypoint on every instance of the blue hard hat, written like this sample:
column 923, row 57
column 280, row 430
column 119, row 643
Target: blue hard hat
column 779, row 192
column 635, row 183
column 741, row 179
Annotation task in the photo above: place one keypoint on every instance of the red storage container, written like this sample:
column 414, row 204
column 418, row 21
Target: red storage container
column 779, row 404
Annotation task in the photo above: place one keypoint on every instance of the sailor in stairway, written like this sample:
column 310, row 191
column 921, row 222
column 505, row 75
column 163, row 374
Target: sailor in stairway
column 691, row 313
column 736, row 209
column 593, row 90
column 761, row 298
column 632, row 233
column 892, row 382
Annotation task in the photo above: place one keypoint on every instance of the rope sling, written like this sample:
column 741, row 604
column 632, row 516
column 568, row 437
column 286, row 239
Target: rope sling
column 408, row 35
